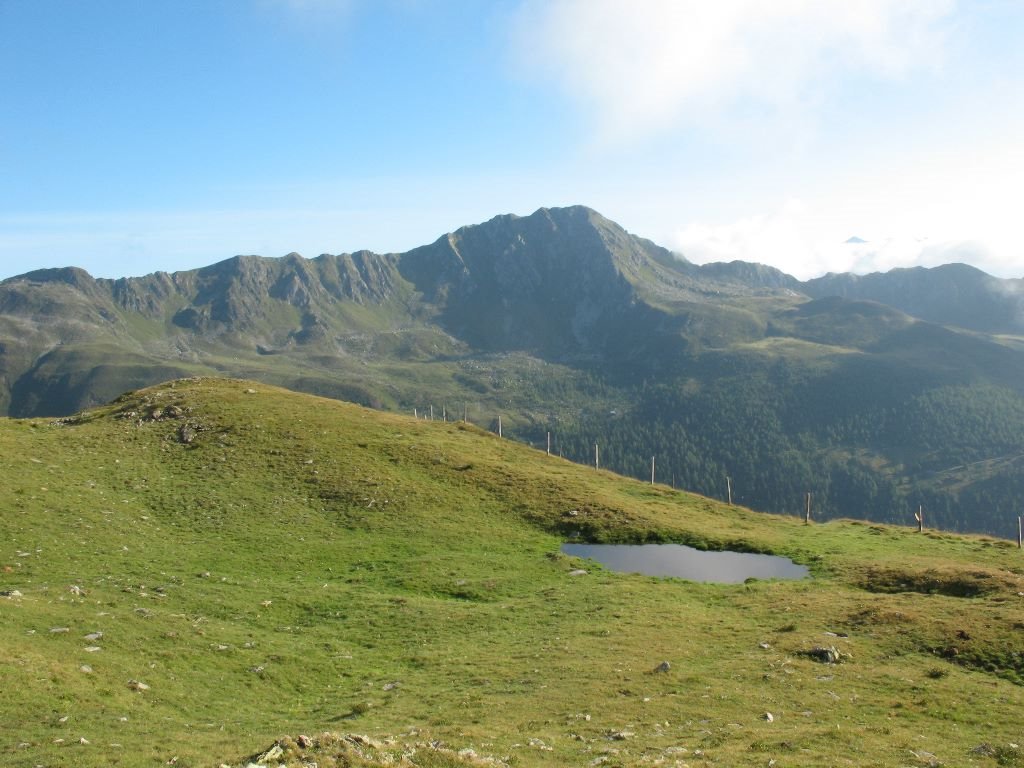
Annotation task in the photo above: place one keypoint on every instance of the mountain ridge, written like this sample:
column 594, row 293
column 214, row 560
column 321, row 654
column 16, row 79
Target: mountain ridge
column 357, row 276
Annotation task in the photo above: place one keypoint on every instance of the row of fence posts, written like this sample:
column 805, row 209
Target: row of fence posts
column 428, row 414
column 918, row 516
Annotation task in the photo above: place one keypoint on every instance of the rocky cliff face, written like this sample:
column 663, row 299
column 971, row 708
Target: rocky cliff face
column 237, row 295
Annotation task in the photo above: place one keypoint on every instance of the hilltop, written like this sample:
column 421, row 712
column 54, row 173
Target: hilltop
column 878, row 395
column 201, row 568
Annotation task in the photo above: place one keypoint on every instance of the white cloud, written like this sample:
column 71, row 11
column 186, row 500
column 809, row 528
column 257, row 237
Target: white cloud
column 802, row 242
column 647, row 65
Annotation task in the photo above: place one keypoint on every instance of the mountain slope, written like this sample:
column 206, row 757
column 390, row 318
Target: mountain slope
column 199, row 568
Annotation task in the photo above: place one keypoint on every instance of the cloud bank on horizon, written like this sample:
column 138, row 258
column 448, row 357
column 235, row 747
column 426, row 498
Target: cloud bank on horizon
column 769, row 132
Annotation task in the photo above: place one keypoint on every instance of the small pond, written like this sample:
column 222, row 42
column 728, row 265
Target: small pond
column 685, row 562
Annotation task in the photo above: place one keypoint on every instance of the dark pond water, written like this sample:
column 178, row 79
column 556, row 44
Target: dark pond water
column 688, row 563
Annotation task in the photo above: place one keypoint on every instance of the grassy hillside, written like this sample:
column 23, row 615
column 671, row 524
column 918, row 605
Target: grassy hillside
column 204, row 567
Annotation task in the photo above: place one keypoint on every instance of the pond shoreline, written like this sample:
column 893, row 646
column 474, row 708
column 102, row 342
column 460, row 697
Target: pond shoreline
column 683, row 562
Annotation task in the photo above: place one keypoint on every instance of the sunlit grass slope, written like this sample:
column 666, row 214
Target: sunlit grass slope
column 204, row 567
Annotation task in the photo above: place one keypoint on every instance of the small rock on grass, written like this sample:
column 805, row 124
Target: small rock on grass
column 825, row 655
column 366, row 741
column 273, row 753
column 926, row 757
column 577, row 572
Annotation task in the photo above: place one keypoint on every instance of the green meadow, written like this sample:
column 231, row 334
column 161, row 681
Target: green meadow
column 208, row 568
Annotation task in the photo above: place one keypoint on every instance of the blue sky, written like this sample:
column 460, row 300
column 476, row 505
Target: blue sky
column 143, row 135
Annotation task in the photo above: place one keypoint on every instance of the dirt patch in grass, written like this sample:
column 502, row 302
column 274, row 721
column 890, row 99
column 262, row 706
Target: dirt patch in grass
column 951, row 582
column 874, row 616
column 1006, row 662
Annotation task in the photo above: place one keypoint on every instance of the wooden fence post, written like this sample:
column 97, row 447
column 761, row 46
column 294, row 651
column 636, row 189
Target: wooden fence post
column 807, row 512
column 652, row 470
column 549, row 443
column 728, row 489
column 919, row 516
column 597, row 457
column 1020, row 529
column 499, row 426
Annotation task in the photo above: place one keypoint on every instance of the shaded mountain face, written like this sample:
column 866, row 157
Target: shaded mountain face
column 873, row 393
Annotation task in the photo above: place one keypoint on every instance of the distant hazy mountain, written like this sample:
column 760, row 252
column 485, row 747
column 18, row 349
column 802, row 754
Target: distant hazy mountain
column 954, row 294
column 875, row 393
